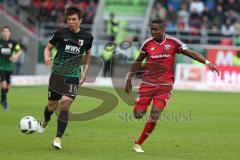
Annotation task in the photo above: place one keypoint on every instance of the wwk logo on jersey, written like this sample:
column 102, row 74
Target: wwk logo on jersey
column 72, row 49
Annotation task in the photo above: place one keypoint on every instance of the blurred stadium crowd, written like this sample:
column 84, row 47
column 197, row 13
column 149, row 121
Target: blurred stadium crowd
column 219, row 18
column 38, row 12
column 199, row 23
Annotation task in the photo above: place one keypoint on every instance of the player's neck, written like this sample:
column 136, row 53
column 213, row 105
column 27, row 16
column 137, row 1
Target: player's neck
column 76, row 30
column 160, row 39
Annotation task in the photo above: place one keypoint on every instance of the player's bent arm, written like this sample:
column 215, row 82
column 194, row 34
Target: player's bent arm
column 86, row 63
column 194, row 55
column 198, row 57
column 47, row 55
column 16, row 56
column 136, row 65
column 17, row 53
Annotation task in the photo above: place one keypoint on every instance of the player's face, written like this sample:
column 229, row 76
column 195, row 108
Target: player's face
column 73, row 22
column 157, row 30
column 6, row 34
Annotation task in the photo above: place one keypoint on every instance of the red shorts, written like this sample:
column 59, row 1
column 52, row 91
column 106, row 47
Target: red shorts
column 160, row 94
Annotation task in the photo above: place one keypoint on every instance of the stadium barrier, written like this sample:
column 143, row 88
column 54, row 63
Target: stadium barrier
column 188, row 77
column 195, row 77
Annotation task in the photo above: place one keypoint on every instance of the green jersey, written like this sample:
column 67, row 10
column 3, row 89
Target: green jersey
column 70, row 50
column 7, row 48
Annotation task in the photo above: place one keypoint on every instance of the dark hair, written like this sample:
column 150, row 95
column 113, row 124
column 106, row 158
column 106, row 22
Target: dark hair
column 5, row 27
column 159, row 22
column 74, row 10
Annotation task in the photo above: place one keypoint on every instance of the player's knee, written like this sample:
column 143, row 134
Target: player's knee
column 4, row 85
column 65, row 104
column 155, row 113
column 52, row 105
column 138, row 114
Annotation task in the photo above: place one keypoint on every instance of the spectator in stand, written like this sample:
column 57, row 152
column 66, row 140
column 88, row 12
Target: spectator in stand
column 218, row 17
column 228, row 28
column 171, row 15
column 160, row 12
column 89, row 13
column 195, row 20
column 232, row 5
column 182, row 24
column 237, row 27
column 207, row 12
column 196, row 6
column 206, row 22
column 184, row 13
column 211, row 4
column 61, row 5
column 174, row 3
column 214, row 34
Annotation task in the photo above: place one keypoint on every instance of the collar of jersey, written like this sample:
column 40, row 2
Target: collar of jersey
column 161, row 42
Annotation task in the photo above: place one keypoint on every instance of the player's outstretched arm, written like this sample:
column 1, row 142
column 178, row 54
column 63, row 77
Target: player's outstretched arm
column 47, row 55
column 135, row 67
column 86, row 63
column 198, row 57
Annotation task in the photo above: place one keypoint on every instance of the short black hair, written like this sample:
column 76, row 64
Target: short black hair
column 5, row 27
column 160, row 22
column 74, row 10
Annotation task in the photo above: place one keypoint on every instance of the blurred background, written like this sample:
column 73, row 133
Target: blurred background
column 211, row 27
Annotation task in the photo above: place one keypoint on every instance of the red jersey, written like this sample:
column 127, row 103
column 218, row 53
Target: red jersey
column 160, row 59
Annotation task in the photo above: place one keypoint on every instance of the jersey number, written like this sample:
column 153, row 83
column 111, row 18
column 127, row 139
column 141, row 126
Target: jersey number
column 73, row 89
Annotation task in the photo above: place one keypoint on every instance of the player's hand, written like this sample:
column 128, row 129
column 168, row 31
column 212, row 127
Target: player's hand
column 13, row 58
column 48, row 62
column 214, row 68
column 82, row 80
column 128, row 87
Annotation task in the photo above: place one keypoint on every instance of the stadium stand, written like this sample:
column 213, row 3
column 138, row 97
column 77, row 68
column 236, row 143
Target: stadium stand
column 195, row 22
column 209, row 21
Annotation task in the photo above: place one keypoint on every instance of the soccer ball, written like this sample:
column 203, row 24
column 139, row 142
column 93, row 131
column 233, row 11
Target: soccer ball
column 28, row 125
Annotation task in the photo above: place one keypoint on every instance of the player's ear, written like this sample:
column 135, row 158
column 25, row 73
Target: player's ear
column 80, row 20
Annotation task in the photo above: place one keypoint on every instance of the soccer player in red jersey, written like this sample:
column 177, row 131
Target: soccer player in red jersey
column 158, row 76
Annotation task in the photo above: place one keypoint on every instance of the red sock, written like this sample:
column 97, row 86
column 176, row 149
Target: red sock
column 149, row 127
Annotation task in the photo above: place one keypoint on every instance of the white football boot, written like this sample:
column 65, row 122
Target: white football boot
column 57, row 143
column 137, row 148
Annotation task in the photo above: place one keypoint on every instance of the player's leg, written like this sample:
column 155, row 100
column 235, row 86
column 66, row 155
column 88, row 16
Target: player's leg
column 5, row 84
column 62, row 121
column 150, row 125
column 159, row 103
column 70, row 93
column 48, row 111
column 143, row 100
column 141, row 104
column 138, row 112
column 53, row 99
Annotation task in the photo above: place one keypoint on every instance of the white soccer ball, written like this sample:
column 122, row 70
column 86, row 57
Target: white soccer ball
column 28, row 125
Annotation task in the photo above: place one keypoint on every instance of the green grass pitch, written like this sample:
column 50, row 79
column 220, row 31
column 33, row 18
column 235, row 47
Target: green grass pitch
column 194, row 126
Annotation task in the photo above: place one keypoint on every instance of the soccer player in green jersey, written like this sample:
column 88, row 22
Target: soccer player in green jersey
column 10, row 51
column 73, row 46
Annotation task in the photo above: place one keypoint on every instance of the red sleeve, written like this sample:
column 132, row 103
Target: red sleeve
column 180, row 46
column 143, row 47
